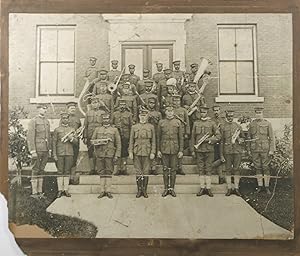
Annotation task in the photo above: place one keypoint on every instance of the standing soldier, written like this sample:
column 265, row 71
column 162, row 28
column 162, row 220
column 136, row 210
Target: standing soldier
column 93, row 119
column 232, row 137
column 141, row 84
column 159, row 75
column 133, row 78
column 204, row 134
column 105, row 99
column 262, row 147
column 154, row 117
column 167, row 100
column 64, row 140
column 144, row 98
column 219, row 120
column 181, row 114
column 122, row 119
column 74, row 122
column 38, row 138
column 162, row 84
column 91, row 72
column 142, row 149
column 114, row 73
column 178, row 74
column 107, row 143
column 170, row 148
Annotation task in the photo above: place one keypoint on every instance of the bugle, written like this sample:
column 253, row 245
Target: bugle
column 201, row 140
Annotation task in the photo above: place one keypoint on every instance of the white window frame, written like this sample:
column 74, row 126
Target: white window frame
column 52, row 98
column 239, row 97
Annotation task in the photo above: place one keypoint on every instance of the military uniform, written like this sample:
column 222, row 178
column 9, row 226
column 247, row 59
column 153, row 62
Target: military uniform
column 123, row 121
column 159, row 74
column 63, row 153
column 170, row 143
column 178, row 75
column 106, row 151
column 133, row 78
column 38, row 139
column 92, row 71
column 113, row 74
column 145, row 98
column 142, row 144
column 162, row 90
column 131, row 102
column 141, row 86
column 262, row 142
column 205, row 152
column 232, row 152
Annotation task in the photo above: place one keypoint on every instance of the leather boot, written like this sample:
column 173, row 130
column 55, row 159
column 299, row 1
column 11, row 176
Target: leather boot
column 201, row 192
column 173, row 179
column 145, row 185
column 237, row 192
column 59, row 194
column 229, row 192
column 92, row 166
column 209, row 193
column 139, row 186
column 166, row 191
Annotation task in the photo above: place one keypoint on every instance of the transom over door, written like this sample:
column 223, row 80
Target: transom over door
column 146, row 56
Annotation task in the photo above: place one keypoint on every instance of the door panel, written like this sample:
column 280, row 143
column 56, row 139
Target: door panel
column 136, row 57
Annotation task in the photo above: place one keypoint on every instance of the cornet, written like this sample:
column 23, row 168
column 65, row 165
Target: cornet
column 201, row 140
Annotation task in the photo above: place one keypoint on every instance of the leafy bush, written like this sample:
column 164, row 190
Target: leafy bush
column 17, row 145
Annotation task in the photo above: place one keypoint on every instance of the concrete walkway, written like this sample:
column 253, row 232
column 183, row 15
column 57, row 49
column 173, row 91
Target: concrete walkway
column 185, row 216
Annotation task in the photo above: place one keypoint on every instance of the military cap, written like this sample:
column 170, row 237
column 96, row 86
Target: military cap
column 260, row 108
column 125, row 76
column 122, row 101
column 204, row 107
column 126, row 84
column 143, row 111
column 167, row 71
column 192, row 83
column 105, row 116
column 159, row 64
column 114, row 62
column 169, row 108
column 216, row 106
column 145, row 70
column 194, row 65
column 64, row 114
column 148, row 81
column 93, row 58
column 229, row 111
column 176, row 96
column 176, row 61
column 45, row 106
column 171, row 81
column 71, row 104
column 102, row 72
column 131, row 66
column 152, row 99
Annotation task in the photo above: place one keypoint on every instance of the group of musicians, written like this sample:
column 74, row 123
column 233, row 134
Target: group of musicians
column 149, row 120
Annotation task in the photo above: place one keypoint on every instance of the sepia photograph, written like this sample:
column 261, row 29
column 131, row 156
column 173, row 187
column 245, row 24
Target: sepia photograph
column 161, row 125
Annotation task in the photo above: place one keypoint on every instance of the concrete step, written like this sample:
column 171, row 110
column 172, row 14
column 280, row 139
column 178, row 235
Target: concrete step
column 153, row 180
column 152, row 189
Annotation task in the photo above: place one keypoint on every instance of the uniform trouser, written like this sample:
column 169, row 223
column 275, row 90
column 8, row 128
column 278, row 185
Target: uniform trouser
column 261, row 162
column 64, row 165
column 154, row 163
column 37, row 170
column 170, row 164
column 91, row 154
column 122, row 161
column 204, row 165
column 232, row 166
column 142, row 165
column 217, row 156
column 105, row 166
column 75, row 157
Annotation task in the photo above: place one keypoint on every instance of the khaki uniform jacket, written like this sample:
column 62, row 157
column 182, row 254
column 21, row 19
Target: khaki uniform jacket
column 145, row 96
column 221, row 120
column 178, row 75
column 133, row 79
column 200, row 128
column 91, row 73
column 38, row 135
column 262, row 133
column 123, row 121
column 228, row 129
column 92, row 120
column 140, row 87
column 59, row 148
column 112, row 74
column 113, row 147
column 74, row 122
column 188, row 99
column 158, row 76
column 142, row 140
column 183, row 114
column 107, row 99
column 170, row 136
column 131, row 102
column 154, row 117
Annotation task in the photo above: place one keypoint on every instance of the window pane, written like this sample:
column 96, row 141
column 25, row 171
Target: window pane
column 65, row 78
column 160, row 55
column 48, row 78
column 244, row 42
column 245, row 79
column 48, row 44
column 226, row 44
column 134, row 56
column 66, row 44
column 227, row 78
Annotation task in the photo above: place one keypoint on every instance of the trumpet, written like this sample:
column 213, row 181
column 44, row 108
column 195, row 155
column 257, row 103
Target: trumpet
column 68, row 137
column 102, row 141
column 235, row 136
column 201, row 140
column 180, row 119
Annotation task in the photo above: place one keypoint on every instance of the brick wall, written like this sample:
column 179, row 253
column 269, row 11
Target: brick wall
column 274, row 57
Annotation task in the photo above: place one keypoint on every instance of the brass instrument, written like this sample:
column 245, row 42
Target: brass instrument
column 180, row 119
column 201, row 140
column 235, row 135
column 202, row 67
column 68, row 137
column 102, row 141
column 193, row 107
column 79, row 132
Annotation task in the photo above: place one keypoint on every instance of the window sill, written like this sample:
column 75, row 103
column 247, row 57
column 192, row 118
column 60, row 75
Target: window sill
column 239, row 98
column 53, row 99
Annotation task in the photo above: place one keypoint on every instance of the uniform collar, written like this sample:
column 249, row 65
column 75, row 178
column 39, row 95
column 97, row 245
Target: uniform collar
column 43, row 117
column 64, row 125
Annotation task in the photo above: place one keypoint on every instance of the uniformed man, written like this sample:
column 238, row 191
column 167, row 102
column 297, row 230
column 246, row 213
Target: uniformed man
column 114, row 73
column 122, row 119
column 74, row 122
column 64, row 139
column 204, row 134
column 219, row 120
column 92, row 120
column 107, row 142
column 144, row 97
column 92, row 72
column 162, row 84
column 167, row 100
column 178, row 75
column 170, row 149
column 159, row 75
column 262, row 147
column 142, row 149
column 154, row 117
column 38, row 139
column 141, row 84
column 133, row 78
column 106, row 102
column 232, row 137
column 182, row 115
